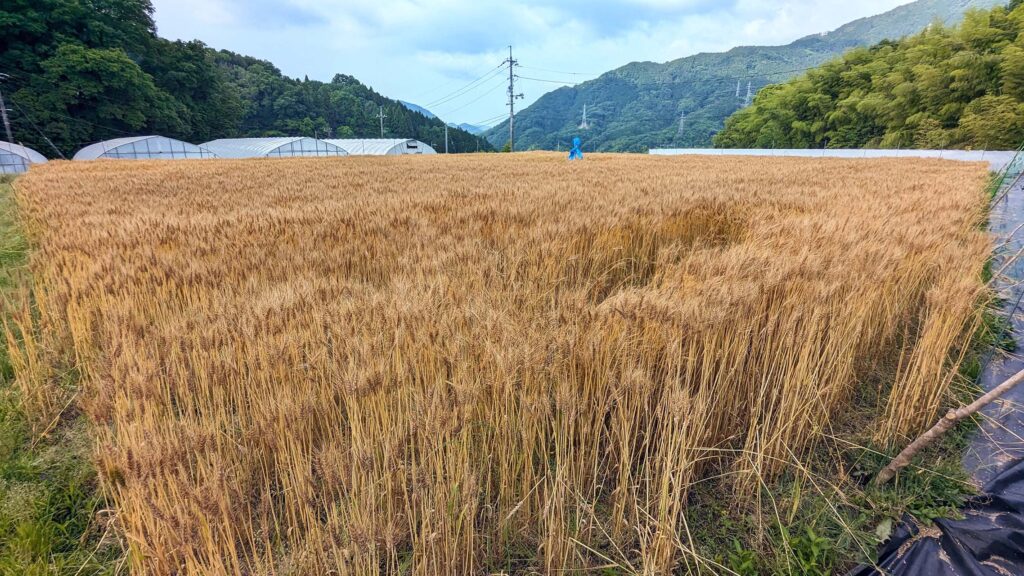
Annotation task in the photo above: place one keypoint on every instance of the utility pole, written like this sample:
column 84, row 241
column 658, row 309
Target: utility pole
column 3, row 111
column 750, row 96
column 512, row 63
column 737, row 89
column 445, row 137
column 584, row 125
column 382, row 117
column 682, row 122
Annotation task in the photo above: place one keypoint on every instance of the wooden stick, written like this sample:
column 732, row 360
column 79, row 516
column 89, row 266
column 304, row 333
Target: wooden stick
column 942, row 426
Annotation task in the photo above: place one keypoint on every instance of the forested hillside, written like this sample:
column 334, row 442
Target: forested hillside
column 88, row 70
column 684, row 102
column 947, row 87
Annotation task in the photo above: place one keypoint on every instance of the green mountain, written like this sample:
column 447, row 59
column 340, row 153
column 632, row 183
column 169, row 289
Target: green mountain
column 960, row 87
column 683, row 103
column 81, row 71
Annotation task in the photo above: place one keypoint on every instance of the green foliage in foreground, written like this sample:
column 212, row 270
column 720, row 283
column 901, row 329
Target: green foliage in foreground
column 82, row 71
column 960, row 87
column 53, row 520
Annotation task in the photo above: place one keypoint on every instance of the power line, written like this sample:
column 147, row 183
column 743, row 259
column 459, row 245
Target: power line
column 489, row 120
column 492, row 73
column 451, row 82
column 776, row 73
column 563, row 83
column 32, row 122
column 82, row 120
column 559, row 71
column 493, row 89
column 468, row 87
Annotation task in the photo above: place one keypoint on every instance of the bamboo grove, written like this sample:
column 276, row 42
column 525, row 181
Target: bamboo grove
column 950, row 88
column 419, row 365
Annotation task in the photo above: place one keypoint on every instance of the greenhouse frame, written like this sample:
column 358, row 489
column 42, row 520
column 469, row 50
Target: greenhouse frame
column 382, row 146
column 142, row 148
column 15, row 158
column 273, row 147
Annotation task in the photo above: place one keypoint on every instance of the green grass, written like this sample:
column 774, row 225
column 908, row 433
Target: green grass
column 53, row 520
column 818, row 521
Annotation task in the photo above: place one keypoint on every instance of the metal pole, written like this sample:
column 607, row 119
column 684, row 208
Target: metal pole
column 3, row 112
column 512, row 101
column 7, row 122
column 446, row 138
column 511, row 104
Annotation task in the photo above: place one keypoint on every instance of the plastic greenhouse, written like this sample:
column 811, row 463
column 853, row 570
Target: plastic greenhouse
column 382, row 146
column 15, row 158
column 142, row 148
column 272, row 147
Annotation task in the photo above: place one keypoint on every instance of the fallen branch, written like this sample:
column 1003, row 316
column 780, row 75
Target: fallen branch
column 942, row 426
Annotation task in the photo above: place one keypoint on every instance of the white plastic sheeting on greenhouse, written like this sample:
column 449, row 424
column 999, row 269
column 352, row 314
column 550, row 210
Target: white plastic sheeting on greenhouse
column 142, row 148
column 382, row 146
column 15, row 158
column 272, row 147
column 997, row 159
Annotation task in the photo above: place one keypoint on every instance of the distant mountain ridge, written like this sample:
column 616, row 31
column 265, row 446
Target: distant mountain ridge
column 418, row 108
column 472, row 128
column 684, row 102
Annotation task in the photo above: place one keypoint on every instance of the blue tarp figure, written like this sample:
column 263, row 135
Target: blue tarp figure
column 576, row 153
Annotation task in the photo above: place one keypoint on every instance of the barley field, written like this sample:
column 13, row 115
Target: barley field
column 430, row 365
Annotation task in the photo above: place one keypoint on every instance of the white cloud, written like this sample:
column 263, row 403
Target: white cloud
column 420, row 50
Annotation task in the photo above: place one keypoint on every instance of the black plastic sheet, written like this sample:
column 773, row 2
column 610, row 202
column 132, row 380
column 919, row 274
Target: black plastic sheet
column 989, row 540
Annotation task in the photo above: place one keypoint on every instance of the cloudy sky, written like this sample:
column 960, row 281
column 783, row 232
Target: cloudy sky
column 426, row 51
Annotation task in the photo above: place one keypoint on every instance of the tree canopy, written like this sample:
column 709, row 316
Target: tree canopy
column 947, row 87
column 88, row 70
